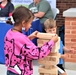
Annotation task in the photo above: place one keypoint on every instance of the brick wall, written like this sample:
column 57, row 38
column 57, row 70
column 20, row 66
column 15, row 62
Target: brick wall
column 70, row 37
column 70, row 26
column 63, row 5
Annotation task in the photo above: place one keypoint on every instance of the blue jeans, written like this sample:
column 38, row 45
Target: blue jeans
column 11, row 73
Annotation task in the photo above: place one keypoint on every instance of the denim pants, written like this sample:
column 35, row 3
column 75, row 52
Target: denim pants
column 10, row 73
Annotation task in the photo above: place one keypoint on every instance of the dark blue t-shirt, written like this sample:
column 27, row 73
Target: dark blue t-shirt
column 4, row 12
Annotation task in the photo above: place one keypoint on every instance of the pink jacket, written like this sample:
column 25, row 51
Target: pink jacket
column 20, row 51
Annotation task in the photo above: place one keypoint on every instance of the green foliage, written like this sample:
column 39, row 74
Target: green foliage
column 20, row 5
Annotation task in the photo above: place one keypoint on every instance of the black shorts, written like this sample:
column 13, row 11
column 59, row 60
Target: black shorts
column 60, row 68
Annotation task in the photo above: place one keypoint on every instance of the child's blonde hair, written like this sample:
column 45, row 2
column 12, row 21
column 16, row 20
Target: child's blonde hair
column 49, row 23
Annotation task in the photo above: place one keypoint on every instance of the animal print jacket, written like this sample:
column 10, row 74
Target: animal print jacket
column 20, row 51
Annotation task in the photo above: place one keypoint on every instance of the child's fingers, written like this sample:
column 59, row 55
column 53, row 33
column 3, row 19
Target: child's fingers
column 71, row 51
column 35, row 33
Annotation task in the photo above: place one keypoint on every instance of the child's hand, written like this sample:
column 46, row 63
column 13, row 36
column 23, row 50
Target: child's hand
column 33, row 35
column 71, row 51
column 64, row 56
column 68, row 50
column 55, row 38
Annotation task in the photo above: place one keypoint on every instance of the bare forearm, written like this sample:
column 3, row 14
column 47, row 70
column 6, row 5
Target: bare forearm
column 39, row 14
column 29, row 37
column 65, row 49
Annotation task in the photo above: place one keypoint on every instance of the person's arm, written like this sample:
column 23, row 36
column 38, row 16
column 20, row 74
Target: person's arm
column 68, row 50
column 42, row 10
column 11, row 8
column 34, row 52
column 39, row 14
column 64, row 56
column 65, row 49
column 33, row 35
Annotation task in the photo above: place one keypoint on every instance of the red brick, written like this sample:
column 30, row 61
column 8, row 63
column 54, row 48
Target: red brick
column 70, row 19
column 69, row 55
column 67, row 40
column 71, row 60
column 73, row 27
column 63, row 5
column 73, row 56
column 74, row 23
column 67, row 22
column 73, row 40
column 73, row 31
column 75, row 52
column 74, row 48
column 70, row 44
column 70, row 36
column 68, row 27
column 67, row 31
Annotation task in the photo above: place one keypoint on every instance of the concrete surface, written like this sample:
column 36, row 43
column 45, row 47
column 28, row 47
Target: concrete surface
column 3, row 71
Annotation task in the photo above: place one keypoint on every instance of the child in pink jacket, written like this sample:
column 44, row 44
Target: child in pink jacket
column 19, row 50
